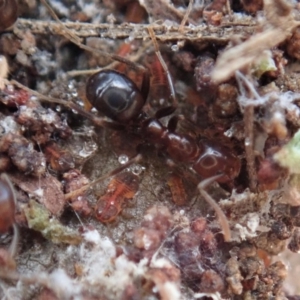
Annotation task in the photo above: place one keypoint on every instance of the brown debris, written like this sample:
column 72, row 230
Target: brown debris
column 294, row 244
column 23, row 155
column 60, row 160
column 47, row 190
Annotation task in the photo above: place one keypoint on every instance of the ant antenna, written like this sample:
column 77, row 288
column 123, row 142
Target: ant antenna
column 164, row 65
column 221, row 216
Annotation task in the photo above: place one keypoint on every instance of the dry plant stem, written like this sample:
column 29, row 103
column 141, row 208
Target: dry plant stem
column 249, row 138
column 163, row 33
column 73, row 37
column 13, row 248
column 133, row 58
column 228, row 8
column 221, row 216
column 186, row 16
column 248, row 112
column 168, row 10
column 164, row 65
column 68, row 32
column 279, row 24
column 242, row 55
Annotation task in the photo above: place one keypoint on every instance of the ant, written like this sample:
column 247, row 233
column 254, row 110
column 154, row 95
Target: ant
column 122, row 101
column 122, row 187
column 118, row 98
column 7, row 220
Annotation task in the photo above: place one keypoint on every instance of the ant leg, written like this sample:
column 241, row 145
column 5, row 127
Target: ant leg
column 172, row 124
column 164, row 112
column 145, row 85
column 164, row 65
column 221, row 216
column 98, row 121
column 186, row 16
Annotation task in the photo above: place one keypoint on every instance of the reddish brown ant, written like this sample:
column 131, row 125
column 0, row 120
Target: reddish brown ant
column 7, row 220
column 120, row 99
column 121, row 188
column 117, row 97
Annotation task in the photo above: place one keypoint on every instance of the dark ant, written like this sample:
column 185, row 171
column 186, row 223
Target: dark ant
column 8, row 13
column 120, row 99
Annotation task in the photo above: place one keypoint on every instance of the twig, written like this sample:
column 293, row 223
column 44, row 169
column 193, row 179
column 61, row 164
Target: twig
column 249, row 145
column 163, row 33
column 249, row 123
column 135, row 57
column 221, row 216
column 279, row 24
column 186, row 16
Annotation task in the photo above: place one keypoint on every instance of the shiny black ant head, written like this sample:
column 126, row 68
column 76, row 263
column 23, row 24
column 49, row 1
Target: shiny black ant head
column 114, row 95
column 7, row 204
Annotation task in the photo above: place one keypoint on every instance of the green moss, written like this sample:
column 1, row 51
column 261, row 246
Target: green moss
column 39, row 219
column 289, row 155
column 263, row 64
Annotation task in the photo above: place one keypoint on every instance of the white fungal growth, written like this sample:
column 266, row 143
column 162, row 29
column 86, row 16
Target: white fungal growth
column 247, row 227
column 63, row 286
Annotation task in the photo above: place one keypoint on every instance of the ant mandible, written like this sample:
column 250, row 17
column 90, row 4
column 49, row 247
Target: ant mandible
column 120, row 99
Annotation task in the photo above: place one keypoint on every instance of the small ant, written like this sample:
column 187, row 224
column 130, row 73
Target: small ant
column 122, row 187
column 120, row 99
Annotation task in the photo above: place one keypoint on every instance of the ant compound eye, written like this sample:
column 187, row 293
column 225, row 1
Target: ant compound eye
column 8, row 13
column 114, row 95
column 7, row 204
